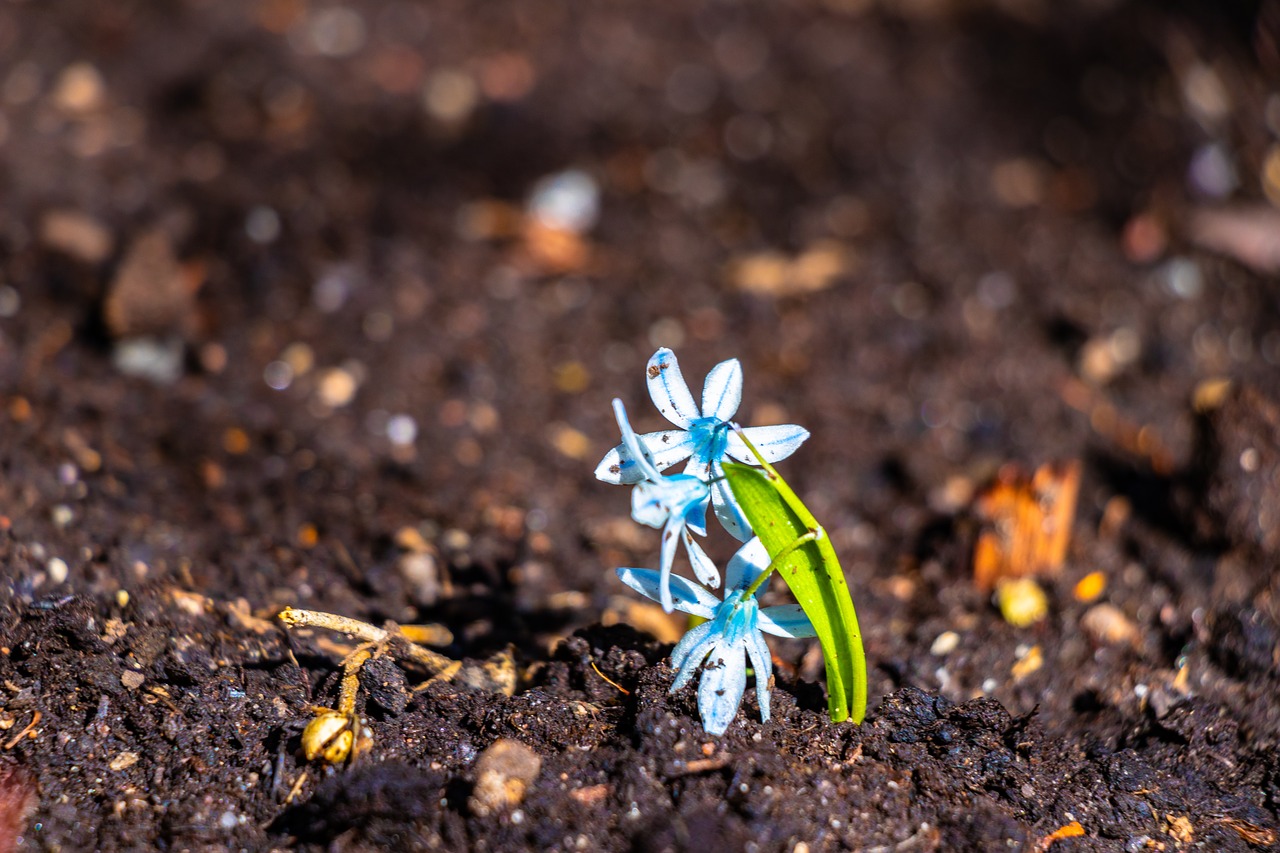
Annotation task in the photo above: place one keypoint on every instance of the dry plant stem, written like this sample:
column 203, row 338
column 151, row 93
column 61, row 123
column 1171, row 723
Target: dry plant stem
column 396, row 642
column 351, row 680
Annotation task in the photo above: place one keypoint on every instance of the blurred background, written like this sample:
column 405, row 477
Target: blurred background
column 323, row 303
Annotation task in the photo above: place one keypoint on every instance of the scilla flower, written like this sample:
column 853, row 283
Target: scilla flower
column 704, row 436
column 732, row 635
column 677, row 504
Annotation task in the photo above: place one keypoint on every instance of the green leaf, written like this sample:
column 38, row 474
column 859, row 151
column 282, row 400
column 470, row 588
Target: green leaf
column 813, row 573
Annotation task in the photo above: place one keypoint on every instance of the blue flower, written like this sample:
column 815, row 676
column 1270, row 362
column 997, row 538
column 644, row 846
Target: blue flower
column 676, row 503
column 734, row 630
column 704, row 436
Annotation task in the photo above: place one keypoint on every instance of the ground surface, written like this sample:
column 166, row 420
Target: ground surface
column 1026, row 232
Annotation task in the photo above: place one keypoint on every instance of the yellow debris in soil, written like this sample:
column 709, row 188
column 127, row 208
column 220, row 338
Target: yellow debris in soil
column 1026, row 522
column 1071, row 830
column 571, row 377
column 777, row 274
column 1022, row 602
column 235, row 441
column 1027, row 664
column 1179, row 826
column 643, row 616
column 308, row 536
column 76, row 234
column 570, row 442
column 1090, row 587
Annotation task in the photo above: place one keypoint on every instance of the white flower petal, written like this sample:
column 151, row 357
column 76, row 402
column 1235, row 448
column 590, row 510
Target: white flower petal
column 745, row 566
column 632, row 442
column 722, row 392
column 668, row 390
column 687, row 597
column 704, row 568
column 724, row 678
column 689, row 653
column 618, row 469
column 786, row 620
column 762, row 663
column 665, row 449
column 648, row 506
column 729, row 511
column 773, row 442
column 670, row 539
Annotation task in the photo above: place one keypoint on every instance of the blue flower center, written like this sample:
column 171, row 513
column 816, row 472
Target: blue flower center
column 710, row 439
column 736, row 619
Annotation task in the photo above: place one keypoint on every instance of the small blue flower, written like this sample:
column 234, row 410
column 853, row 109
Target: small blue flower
column 704, row 437
column 677, row 504
column 734, row 628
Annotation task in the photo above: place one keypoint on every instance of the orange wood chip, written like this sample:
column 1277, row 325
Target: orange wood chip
column 1026, row 522
column 1071, row 830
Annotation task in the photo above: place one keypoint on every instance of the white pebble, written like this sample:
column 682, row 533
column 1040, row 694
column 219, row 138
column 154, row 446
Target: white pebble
column 945, row 644
column 402, row 429
column 569, row 201
column 58, row 570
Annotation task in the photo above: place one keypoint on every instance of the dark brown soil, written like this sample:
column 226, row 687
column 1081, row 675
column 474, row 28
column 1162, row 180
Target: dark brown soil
column 1017, row 195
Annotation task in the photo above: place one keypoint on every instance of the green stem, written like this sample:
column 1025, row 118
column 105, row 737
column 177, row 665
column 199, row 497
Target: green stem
column 800, row 541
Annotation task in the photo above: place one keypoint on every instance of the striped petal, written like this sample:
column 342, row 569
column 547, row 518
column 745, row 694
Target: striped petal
column 689, row 653
column 704, row 568
column 722, row 392
column 687, row 597
column 669, row 391
column 773, row 442
column 665, row 449
column 631, row 443
column 745, row 566
column 762, row 663
column 670, row 539
column 786, row 620
column 720, row 692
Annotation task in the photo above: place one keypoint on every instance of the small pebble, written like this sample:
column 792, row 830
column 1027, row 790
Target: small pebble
column 123, row 760
column 1108, row 625
column 58, row 570
column 337, row 387
column 945, row 644
column 421, row 572
column 77, row 234
column 568, row 201
column 132, row 679
column 402, row 429
column 504, row 772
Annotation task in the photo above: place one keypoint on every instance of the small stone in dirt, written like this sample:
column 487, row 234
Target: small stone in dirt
column 156, row 359
column 1107, row 625
column 504, row 772
column 421, row 572
column 58, row 570
column 591, row 795
column 152, row 292
column 132, row 679
column 945, row 644
column 123, row 761
column 76, row 234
